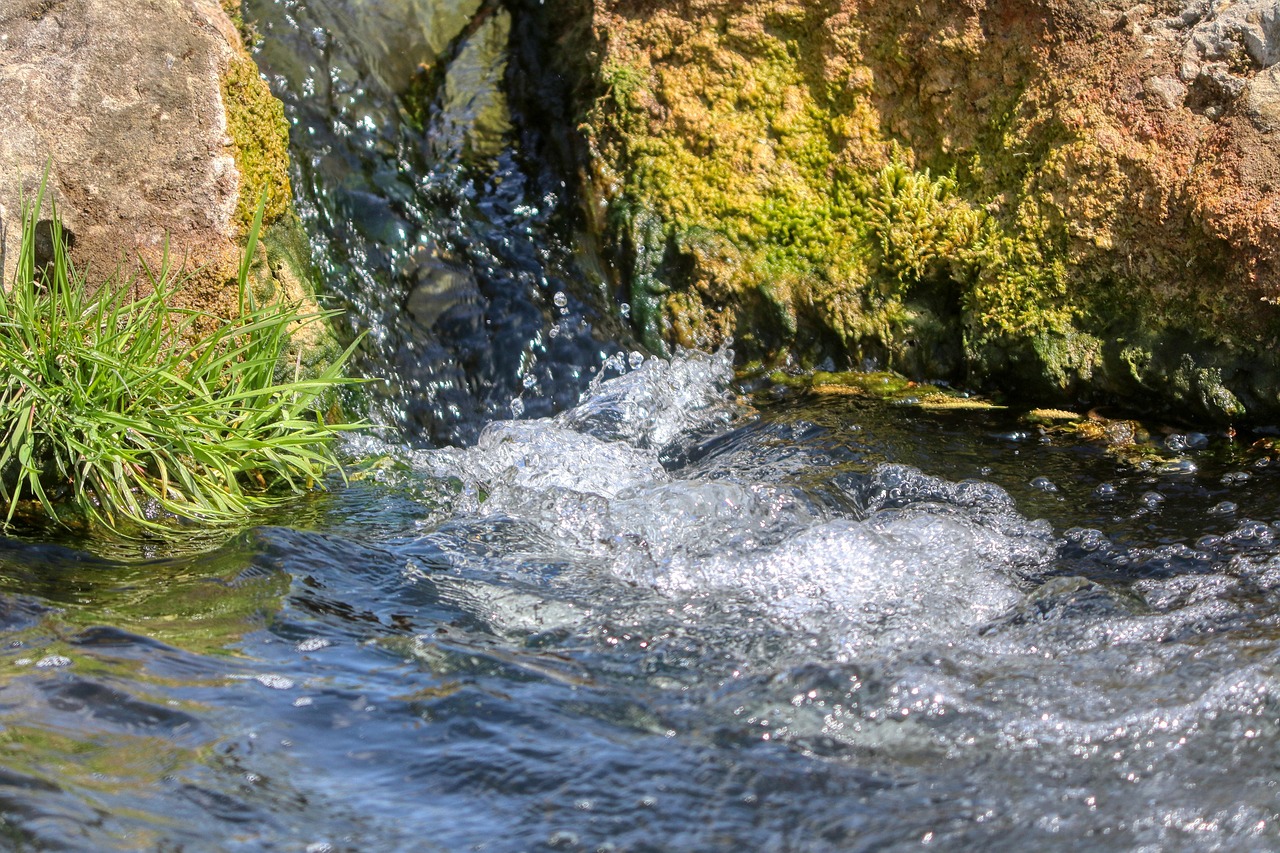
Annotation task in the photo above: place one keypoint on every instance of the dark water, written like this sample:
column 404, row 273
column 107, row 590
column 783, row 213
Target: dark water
column 664, row 616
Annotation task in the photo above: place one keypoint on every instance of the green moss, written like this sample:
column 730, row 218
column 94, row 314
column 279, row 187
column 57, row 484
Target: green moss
column 260, row 141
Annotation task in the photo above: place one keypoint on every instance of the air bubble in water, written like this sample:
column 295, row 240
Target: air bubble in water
column 1223, row 508
column 1106, row 491
column 1044, row 484
column 1151, row 500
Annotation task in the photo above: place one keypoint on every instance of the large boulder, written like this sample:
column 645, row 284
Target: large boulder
column 157, row 134
column 1058, row 198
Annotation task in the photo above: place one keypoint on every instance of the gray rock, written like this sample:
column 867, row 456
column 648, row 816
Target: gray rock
column 124, row 107
column 1166, row 90
column 1232, row 31
column 1262, row 100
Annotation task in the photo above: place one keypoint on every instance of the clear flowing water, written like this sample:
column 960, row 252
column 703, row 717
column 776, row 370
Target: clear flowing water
column 655, row 613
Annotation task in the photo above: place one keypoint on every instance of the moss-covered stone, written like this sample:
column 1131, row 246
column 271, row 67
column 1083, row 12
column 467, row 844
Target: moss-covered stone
column 993, row 191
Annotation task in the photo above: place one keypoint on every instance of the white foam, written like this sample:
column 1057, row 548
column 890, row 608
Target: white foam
column 932, row 558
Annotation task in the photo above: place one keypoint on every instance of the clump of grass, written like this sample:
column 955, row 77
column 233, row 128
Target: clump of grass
column 130, row 414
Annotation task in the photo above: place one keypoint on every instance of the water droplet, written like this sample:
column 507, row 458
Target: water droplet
column 560, row 299
column 635, row 359
column 529, row 381
column 517, row 408
column 624, row 310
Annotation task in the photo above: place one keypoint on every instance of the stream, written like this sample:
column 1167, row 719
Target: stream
column 576, row 597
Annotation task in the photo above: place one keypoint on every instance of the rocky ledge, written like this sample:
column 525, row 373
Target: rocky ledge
column 1061, row 199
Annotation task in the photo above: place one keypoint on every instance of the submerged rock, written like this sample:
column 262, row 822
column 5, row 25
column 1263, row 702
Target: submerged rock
column 157, row 135
column 1072, row 200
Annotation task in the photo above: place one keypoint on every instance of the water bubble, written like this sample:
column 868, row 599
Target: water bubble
column 560, row 299
column 1151, row 500
column 1178, row 466
column 1252, row 531
column 1234, row 477
column 624, row 310
column 1044, row 484
column 1223, row 508
column 1106, row 491
column 1087, row 539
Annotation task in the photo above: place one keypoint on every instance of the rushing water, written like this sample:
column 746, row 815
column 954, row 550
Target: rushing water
column 655, row 613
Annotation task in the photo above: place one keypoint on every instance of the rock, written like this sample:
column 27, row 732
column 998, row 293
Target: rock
column 157, row 133
column 1068, row 199
column 1262, row 100
column 1168, row 90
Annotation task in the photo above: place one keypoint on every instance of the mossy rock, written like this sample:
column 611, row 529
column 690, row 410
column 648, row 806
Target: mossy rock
column 992, row 192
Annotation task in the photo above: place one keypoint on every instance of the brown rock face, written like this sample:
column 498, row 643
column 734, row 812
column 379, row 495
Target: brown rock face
column 123, row 101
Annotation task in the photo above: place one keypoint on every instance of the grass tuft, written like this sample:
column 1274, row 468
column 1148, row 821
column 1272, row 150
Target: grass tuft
column 131, row 415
